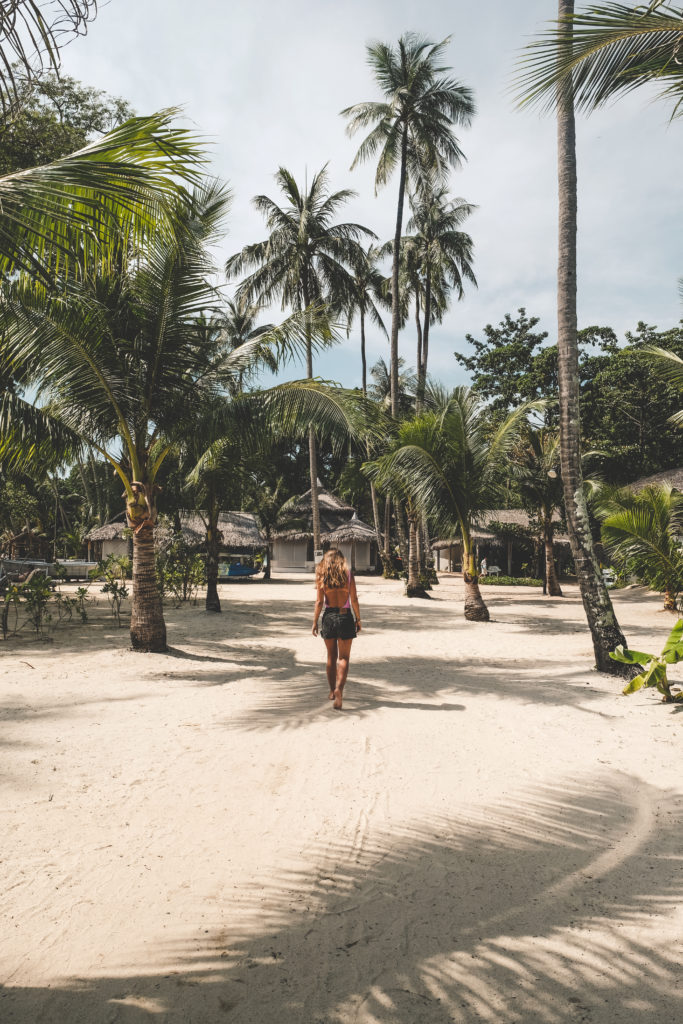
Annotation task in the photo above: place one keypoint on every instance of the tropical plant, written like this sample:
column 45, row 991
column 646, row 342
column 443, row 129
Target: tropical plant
column 126, row 360
column 655, row 666
column 642, row 533
column 412, row 131
column 366, row 297
column 450, row 464
column 305, row 261
column 614, row 48
column 534, row 464
column 602, row 621
column 443, row 256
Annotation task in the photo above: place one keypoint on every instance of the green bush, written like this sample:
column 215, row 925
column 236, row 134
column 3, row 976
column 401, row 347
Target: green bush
column 510, row 581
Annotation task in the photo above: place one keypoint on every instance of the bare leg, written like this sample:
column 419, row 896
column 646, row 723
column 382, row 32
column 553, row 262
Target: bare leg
column 331, row 667
column 343, row 657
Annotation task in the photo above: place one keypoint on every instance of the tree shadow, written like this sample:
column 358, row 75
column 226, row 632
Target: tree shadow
column 556, row 908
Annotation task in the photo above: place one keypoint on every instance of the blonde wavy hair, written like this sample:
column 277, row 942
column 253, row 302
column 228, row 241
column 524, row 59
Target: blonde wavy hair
column 332, row 572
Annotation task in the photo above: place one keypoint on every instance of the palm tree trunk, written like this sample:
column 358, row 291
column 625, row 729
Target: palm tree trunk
column 419, row 547
column 418, row 324
column 395, row 309
column 269, row 556
column 413, row 587
column 362, row 351
column 315, row 507
column 401, row 533
column 422, row 366
column 387, row 531
column 475, row 608
column 312, row 454
column 213, row 602
column 147, row 626
column 375, row 520
column 596, row 602
column 552, row 582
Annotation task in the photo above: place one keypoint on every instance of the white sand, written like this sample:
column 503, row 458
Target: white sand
column 487, row 832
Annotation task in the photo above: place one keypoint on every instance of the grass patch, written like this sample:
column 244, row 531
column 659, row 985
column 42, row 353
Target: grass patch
column 510, row 581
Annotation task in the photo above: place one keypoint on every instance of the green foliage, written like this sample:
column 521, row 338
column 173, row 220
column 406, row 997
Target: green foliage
column 114, row 570
column 57, row 116
column 35, row 592
column 180, row 572
column 641, row 532
column 654, row 666
column 510, row 581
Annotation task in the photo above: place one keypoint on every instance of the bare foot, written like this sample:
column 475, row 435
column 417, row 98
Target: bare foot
column 330, row 695
column 337, row 700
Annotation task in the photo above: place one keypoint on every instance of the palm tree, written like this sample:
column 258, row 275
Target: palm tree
column 412, row 130
column 533, row 462
column 642, row 532
column 450, row 464
column 602, row 621
column 366, row 296
column 443, row 256
column 305, row 260
column 613, row 49
column 125, row 359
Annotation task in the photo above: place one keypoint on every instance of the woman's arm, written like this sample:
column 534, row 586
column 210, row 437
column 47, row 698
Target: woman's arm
column 353, row 594
column 319, row 601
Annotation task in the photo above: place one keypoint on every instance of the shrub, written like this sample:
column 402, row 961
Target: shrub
column 510, row 581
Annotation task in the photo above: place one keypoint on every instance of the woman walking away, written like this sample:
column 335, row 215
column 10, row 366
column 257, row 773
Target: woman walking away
column 336, row 591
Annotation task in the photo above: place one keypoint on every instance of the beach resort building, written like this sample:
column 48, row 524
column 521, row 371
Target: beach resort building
column 340, row 527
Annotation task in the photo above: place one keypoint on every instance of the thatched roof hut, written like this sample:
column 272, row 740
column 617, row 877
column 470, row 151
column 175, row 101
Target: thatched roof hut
column 238, row 529
column 327, row 502
column 673, row 477
column 516, row 518
column 353, row 531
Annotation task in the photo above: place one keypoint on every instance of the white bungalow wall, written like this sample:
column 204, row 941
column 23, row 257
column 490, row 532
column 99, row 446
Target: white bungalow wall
column 362, row 554
column 114, row 547
column 290, row 555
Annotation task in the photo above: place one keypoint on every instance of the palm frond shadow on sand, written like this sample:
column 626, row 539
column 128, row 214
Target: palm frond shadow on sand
column 555, row 908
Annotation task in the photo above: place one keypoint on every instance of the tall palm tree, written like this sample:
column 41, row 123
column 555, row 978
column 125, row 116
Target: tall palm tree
column 614, row 48
column 450, row 465
column 602, row 621
column 443, row 255
column 412, row 130
column 366, row 297
column 533, row 463
column 306, row 259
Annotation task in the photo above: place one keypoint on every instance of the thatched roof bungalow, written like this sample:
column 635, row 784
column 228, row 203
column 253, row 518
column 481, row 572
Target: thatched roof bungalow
column 673, row 477
column 239, row 533
column 339, row 527
column 485, row 536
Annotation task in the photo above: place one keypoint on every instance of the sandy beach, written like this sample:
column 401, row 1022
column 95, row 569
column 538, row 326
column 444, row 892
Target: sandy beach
column 487, row 832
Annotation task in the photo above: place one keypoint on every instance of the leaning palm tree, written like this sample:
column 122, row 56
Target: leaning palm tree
column 412, row 131
column 642, row 531
column 602, row 621
column 443, row 256
column 450, row 465
column 306, row 259
column 614, row 49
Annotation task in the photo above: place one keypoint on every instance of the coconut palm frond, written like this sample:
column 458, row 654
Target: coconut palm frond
column 124, row 185
column 605, row 50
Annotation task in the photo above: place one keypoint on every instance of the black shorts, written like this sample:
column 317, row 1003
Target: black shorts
column 338, row 624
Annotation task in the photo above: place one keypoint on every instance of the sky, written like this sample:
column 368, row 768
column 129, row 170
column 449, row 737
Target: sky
column 264, row 83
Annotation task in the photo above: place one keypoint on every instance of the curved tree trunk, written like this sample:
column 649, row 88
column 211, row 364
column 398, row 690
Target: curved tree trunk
column 413, row 587
column 147, row 626
column 596, row 602
column 387, row 531
column 401, row 533
column 418, row 324
column 552, row 582
column 312, row 453
column 213, row 539
column 362, row 351
column 395, row 310
column 422, row 367
column 475, row 607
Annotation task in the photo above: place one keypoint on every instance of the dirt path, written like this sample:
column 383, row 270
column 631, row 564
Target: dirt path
column 488, row 832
